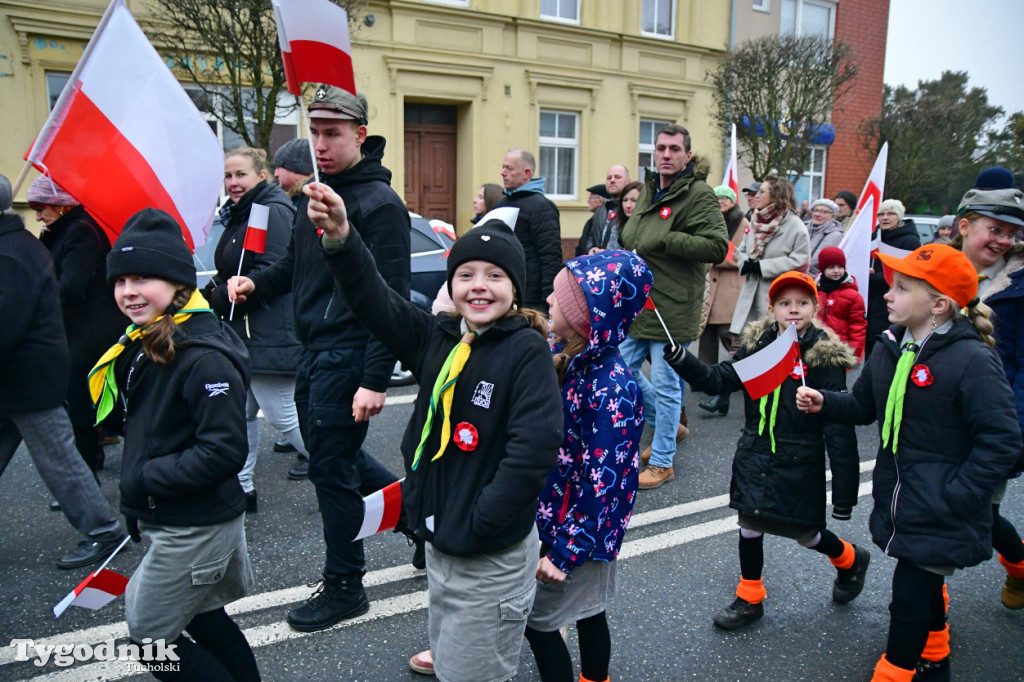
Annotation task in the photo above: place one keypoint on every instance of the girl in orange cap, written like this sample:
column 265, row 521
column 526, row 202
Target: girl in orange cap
column 949, row 437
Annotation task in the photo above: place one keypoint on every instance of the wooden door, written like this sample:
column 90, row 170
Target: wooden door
column 430, row 134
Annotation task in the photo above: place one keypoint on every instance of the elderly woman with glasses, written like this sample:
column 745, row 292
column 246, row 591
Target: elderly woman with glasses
column 825, row 230
column 898, row 232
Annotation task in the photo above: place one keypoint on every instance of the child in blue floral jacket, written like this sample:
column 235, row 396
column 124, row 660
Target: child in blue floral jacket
column 587, row 501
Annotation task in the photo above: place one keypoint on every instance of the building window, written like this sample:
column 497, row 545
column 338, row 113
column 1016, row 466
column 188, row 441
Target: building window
column 55, row 82
column 763, row 5
column 649, row 128
column 560, row 10
column 808, row 17
column 559, row 158
column 285, row 124
column 811, row 185
column 658, row 18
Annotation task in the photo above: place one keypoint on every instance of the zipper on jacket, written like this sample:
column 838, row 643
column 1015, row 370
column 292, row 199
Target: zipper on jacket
column 892, row 505
column 152, row 504
column 327, row 310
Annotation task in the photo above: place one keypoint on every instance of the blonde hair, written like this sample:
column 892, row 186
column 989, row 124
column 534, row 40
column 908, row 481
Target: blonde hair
column 257, row 157
column 158, row 341
column 979, row 314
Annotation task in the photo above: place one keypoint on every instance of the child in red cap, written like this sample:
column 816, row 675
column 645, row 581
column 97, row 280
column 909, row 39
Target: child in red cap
column 778, row 472
column 840, row 306
column 949, row 436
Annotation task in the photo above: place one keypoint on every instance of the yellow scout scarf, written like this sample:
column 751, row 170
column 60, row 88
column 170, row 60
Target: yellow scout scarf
column 103, row 384
column 442, row 395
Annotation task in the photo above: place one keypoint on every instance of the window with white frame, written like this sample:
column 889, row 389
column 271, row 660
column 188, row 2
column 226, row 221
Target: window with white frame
column 658, row 18
column 560, row 10
column 808, row 17
column 649, row 128
column 811, row 185
column 763, row 5
column 559, row 152
column 55, row 82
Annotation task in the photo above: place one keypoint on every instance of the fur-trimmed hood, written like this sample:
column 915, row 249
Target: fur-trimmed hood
column 819, row 345
column 1004, row 280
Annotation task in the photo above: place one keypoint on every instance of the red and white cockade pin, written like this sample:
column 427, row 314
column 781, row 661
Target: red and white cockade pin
column 921, row 376
column 466, row 436
column 798, row 370
column 611, row 215
column 665, row 212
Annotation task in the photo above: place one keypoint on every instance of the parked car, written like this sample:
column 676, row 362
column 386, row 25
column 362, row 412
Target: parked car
column 927, row 226
column 430, row 241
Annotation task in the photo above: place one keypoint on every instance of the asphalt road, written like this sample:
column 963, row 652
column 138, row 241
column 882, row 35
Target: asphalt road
column 678, row 566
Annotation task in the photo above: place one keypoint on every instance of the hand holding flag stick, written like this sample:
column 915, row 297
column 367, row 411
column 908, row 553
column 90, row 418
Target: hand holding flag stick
column 255, row 239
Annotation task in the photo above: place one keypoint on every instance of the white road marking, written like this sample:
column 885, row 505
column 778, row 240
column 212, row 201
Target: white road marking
column 390, row 400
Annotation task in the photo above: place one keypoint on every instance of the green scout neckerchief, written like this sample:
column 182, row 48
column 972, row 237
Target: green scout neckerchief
column 771, row 419
column 897, row 391
column 442, row 395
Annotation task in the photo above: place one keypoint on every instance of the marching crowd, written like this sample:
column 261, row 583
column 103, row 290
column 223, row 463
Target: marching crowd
column 522, row 457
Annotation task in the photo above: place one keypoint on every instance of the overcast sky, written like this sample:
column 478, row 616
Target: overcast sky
column 985, row 38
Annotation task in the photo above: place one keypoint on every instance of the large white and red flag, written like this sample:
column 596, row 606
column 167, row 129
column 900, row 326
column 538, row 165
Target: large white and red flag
column 95, row 592
column 731, row 178
column 859, row 246
column 381, row 510
column 765, row 370
column 315, row 45
column 124, row 135
column 875, row 186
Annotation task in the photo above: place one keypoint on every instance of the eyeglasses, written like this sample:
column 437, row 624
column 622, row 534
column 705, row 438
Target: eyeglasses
column 822, row 211
column 999, row 234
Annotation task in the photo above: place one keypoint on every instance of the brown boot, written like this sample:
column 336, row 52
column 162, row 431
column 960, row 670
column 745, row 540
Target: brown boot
column 655, row 477
column 682, row 417
column 682, row 432
column 645, row 456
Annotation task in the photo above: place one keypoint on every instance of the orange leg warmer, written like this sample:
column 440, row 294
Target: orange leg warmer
column 751, row 590
column 887, row 672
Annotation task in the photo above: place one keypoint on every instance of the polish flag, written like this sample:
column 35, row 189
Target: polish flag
column 95, row 592
column 315, row 46
column 256, row 232
column 893, row 252
column 860, row 245
column 124, row 136
column 731, row 180
column 381, row 510
column 875, row 186
column 765, row 370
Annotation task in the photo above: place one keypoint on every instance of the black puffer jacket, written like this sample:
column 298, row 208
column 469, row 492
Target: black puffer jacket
column 33, row 352
column 266, row 325
column 538, row 230
column 903, row 237
column 184, row 427
column 482, row 497
column 789, row 484
column 92, row 320
column 958, row 440
column 322, row 320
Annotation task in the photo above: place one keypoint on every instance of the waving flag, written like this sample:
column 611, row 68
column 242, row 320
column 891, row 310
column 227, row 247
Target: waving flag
column 859, row 246
column 381, row 510
column 314, row 44
column 124, row 135
column 875, row 186
column 731, row 179
column 895, row 253
column 256, row 231
column 95, row 592
column 762, row 372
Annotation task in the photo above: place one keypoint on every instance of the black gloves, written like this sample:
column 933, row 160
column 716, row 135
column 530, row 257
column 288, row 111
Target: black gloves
column 133, row 528
column 751, row 267
column 842, row 513
column 674, row 354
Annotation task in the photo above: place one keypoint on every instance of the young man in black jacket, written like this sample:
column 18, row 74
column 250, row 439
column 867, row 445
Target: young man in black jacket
column 344, row 371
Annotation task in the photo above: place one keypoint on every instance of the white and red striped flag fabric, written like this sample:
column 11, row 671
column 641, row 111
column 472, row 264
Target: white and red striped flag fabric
column 765, row 370
column 95, row 592
column 875, row 186
column 860, row 245
column 124, row 135
column 256, row 231
column 895, row 253
column 315, row 45
column 731, row 179
column 381, row 510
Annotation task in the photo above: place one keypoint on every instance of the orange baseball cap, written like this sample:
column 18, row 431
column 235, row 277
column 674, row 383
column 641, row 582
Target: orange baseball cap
column 793, row 277
column 942, row 266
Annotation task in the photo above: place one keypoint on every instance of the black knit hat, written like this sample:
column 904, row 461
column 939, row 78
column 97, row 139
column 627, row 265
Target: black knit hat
column 294, row 155
column 151, row 244
column 493, row 242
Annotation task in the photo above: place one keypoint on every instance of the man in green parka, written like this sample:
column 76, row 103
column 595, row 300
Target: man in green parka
column 678, row 228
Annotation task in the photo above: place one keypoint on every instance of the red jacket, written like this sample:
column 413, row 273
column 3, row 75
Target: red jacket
column 842, row 310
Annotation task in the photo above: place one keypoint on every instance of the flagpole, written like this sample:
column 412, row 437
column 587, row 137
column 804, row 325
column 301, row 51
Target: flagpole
column 665, row 327
column 111, row 557
column 21, row 179
column 305, row 124
column 231, row 315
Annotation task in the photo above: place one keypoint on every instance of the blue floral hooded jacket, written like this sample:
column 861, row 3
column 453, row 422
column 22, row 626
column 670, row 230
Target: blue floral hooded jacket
column 587, row 501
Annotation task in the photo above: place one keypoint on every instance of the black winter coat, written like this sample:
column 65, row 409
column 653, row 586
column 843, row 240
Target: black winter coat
column 958, row 440
column 789, row 484
column 903, row 237
column 92, row 320
column 184, row 427
column 539, row 231
column 482, row 499
column 33, row 351
column 322, row 320
column 265, row 325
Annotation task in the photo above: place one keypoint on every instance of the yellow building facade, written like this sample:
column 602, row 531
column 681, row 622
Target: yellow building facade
column 453, row 84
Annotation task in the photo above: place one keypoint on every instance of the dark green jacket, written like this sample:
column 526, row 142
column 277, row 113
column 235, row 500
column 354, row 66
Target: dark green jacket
column 678, row 235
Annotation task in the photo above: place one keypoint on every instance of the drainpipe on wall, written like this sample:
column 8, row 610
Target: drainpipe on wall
column 732, row 40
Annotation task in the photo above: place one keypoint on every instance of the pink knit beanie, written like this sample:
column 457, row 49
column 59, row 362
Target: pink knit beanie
column 572, row 302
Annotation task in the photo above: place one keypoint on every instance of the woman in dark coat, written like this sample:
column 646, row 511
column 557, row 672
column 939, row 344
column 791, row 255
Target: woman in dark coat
column 92, row 321
column 898, row 232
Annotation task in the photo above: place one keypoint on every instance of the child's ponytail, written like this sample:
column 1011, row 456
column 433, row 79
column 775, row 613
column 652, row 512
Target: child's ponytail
column 538, row 320
column 158, row 341
column 980, row 316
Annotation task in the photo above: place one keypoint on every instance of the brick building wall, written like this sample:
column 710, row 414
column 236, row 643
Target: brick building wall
column 863, row 25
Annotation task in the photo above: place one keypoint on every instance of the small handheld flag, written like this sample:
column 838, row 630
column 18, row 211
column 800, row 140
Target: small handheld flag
column 650, row 306
column 730, row 179
column 762, row 372
column 381, row 510
column 99, row 589
column 255, row 239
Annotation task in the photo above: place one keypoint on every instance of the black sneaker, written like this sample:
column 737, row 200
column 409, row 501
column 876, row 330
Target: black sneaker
column 850, row 581
column 737, row 614
column 89, row 552
column 337, row 597
column 932, row 671
column 284, row 446
column 300, row 471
